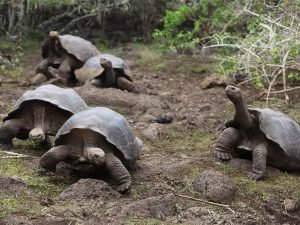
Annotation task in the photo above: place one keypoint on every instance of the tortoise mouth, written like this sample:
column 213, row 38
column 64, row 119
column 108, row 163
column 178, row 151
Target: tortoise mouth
column 53, row 34
column 230, row 88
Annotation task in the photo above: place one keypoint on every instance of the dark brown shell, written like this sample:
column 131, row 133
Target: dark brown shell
column 92, row 68
column 64, row 98
column 112, row 125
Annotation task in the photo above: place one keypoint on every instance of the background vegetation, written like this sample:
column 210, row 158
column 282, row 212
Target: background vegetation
column 257, row 40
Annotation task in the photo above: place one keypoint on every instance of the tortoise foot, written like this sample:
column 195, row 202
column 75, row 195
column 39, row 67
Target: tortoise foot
column 124, row 187
column 255, row 175
column 5, row 146
column 222, row 155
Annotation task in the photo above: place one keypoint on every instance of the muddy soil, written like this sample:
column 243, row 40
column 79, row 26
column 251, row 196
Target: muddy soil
column 162, row 187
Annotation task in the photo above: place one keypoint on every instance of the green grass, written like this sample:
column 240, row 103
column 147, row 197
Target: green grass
column 183, row 139
column 42, row 185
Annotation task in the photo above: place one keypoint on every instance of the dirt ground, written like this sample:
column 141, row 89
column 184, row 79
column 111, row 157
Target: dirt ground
column 174, row 154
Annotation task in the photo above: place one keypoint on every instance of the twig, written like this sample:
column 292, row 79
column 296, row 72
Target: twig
column 14, row 154
column 204, row 201
column 270, row 86
column 284, row 75
column 286, row 90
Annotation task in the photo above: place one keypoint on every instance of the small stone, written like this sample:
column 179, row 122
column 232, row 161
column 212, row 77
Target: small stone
column 290, row 205
column 153, row 131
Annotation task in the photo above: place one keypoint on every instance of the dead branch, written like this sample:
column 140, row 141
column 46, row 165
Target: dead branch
column 76, row 20
column 204, row 201
column 12, row 155
column 55, row 19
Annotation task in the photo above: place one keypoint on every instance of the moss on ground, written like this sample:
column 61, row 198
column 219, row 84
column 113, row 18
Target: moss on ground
column 27, row 203
column 181, row 139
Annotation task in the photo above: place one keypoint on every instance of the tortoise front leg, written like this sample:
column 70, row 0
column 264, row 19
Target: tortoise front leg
column 226, row 142
column 42, row 67
column 54, row 156
column 64, row 70
column 119, row 172
column 259, row 165
column 96, row 83
column 126, row 84
column 9, row 130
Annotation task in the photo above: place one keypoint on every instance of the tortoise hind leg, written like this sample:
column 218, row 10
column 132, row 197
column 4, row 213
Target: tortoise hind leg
column 259, row 155
column 9, row 130
column 226, row 142
column 126, row 84
column 119, row 172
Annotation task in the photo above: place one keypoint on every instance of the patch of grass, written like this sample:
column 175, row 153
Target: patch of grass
column 183, row 139
column 42, row 184
column 16, row 204
column 147, row 221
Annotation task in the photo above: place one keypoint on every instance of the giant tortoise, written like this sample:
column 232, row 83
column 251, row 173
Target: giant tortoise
column 100, row 137
column 106, row 70
column 38, row 113
column 65, row 52
column 271, row 136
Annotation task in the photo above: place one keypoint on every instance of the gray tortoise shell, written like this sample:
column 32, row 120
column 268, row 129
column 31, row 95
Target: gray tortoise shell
column 64, row 98
column 79, row 47
column 280, row 129
column 112, row 125
column 92, row 68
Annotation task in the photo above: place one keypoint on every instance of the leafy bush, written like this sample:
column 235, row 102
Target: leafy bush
column 184, row 27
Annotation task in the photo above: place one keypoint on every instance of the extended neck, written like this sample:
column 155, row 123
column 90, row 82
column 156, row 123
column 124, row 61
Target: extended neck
column 242, row 114
column 110, row 77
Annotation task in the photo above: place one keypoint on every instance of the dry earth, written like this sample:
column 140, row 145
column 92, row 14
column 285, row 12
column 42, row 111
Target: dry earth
column 173, row 156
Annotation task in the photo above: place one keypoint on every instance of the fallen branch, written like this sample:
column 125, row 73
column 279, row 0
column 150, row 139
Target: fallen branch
column 13, row 155
column 204, row 201
column 287, row 90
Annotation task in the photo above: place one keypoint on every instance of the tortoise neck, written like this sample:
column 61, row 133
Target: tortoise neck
column 242, row 114
column 39, row 116
column 110, row 77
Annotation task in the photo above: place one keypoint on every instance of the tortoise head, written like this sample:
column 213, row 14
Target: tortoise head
column 37, row 135
column 96, row 156
column 233, row 93
column 53, row 34
column 106, row 64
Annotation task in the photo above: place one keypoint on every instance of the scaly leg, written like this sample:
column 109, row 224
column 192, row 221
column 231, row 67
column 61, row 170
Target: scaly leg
column 259, row 165
column 119, row 172
column 64, row 70
column 9, row 130
column 226, row 142
column 42, row 67
column 126, row 84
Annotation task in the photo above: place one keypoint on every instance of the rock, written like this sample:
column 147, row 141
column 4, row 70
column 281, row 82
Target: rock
column 215, row 186
column 166, row 118
column 113, row 97
column 290, row 205
column 86, row 189
column 38, row 79
column 158, row 207
column 153, row 131
column 214, row 80
column 12, row 185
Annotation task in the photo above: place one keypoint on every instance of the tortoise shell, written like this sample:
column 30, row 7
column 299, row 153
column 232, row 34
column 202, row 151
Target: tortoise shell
column 280, row 129
column 92, row 68
column 110, row 124
column 64, row 98
column 74, row 45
